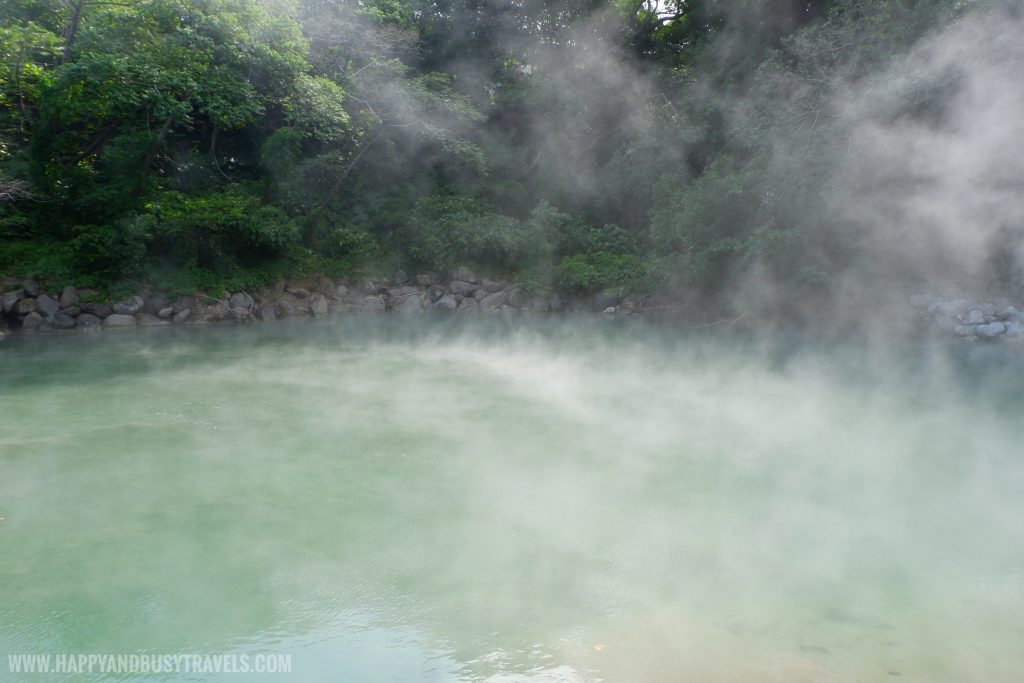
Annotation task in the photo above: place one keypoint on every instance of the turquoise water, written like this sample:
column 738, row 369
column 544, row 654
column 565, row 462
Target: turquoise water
column 398, row 500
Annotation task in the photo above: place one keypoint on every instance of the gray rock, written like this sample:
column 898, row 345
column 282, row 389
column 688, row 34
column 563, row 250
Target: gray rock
column 1007, row 312
column 341, row 291
column 401, row 277
column 97, row 309
column 89, row 320
column 32, row 321
column 491, row 286
column 540, row 304
column 69, row 297
column 215, row 312
column 150, row 320
column 47, row 305
column 60, row 321
column 480, row 294
column 465, row 274
column 183, row 315
column 119, row 320
column 165, row 312
column 425, row 279
column 469, row 305
column 298, row 292
column 290, row 305
column 435, row 292
column 365, row 286
column 318, row 304
column 25, row 306
column 410, row 303
column 1014, row 329
column 155, row 303
column 31, row 287
column 609, row 311
column 374, row 303
column 10, row 300
column 399, row 292
column 990, row 330
column 241, row 300
column 447, row 303
column 517, row 298
column 973, row 317
column 603, row 300
column 183, row 302
column 492, row 301
column 325, row 285
column 266, row 312
column 462, row 287
column 129, row 306
column 73, row 311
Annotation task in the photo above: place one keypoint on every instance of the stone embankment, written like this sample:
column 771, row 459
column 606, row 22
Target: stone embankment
column 28, row 306
column 970, row 319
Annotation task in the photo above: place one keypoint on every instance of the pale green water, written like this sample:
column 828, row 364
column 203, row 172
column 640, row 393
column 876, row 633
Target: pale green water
column 392, row 500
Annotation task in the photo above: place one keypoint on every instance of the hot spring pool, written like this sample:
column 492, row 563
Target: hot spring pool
column 412, row 500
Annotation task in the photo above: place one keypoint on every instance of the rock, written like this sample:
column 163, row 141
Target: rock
column 325, row 285
column 462, row 287
column 290, row 305
column 990, row 330
column 974, row 316
column 10, row 300
column 155, row 303
column 89, row 320
column 446, row 303
column 318, row 304
column 465, row 274
column 60, row 321
column 240, row 301
column 165, row 312
column 399, row 292
column 73, row 311
column 401, row 277
column 555, row 303
column 96, row 309
column 150, row 320
column 603, row 300
column 183, row 315
column 183, row 302
column 609, row 311
column 31, row 287
column 365, row 286
column 1014, row 329
column 469, row 306
column 540, row 304
column 480, row 294
column 410, row 303
column 517, row 298
column 490, row 286
column 129, row 306
column 987, row 310
column 341, row 291
column 435, row 292
column 492, row 301
column 373, row 303
column 32, row 321
column 1008, row 312
column 425, row 279
column 298, row 292
column 119, row 320
column 25, row 306
column 69, row 297
column 47, row 305
column 266, row 312
column 215, row 312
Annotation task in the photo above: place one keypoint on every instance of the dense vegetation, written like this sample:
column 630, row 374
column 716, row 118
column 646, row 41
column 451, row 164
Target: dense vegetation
column 578, row 144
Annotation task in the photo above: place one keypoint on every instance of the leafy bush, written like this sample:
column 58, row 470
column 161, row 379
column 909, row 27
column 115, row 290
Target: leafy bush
column 603, row 270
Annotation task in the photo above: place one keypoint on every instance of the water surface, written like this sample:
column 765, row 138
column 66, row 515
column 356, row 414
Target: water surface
column 413, row 500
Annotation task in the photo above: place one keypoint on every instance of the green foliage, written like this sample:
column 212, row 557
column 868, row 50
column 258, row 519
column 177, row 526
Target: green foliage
column 602, row 270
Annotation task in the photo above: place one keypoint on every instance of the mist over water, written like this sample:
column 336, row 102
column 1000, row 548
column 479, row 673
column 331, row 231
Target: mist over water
column 417, row 500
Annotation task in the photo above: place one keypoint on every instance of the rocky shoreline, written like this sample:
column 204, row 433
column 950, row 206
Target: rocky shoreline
column 970, row 319
column 28, row 307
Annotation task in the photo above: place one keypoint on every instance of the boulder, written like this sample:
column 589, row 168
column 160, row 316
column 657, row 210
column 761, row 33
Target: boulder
column 183, row 302
column 425, row 279
column 374, row 303
column 266, row 312
column 493, row 301
column 240, row 300
column 69, row 297
column 298, row 292
column 32, row 321
column 491, row 286
column 540, row 304
column 129, row 306
column 603, row 300
column 155, row 303
column 609, row 311
column 182, row 316
column 24, row 306
column 435, row 292
column 1014, row 329
column 399, row 292
column 462, row 287
column 97, row 309
column 325, row 285
column 989, row 330
column 318, row 304
column 60, row 321
column 47, row 305
column 469, row 306
column 10, row 300
column 165, row 312
column 150, row 320
column 973, row 317
column 365, row 286
column 465, row 274
column 89, row 320
column 119, row 320
column 290, row 305
column 73, row 311
column 517, row 298
column 341, row 291
column 213, row 313
column 31, row 287
column 446, row 303
column 410, row 303
column 401, row 277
